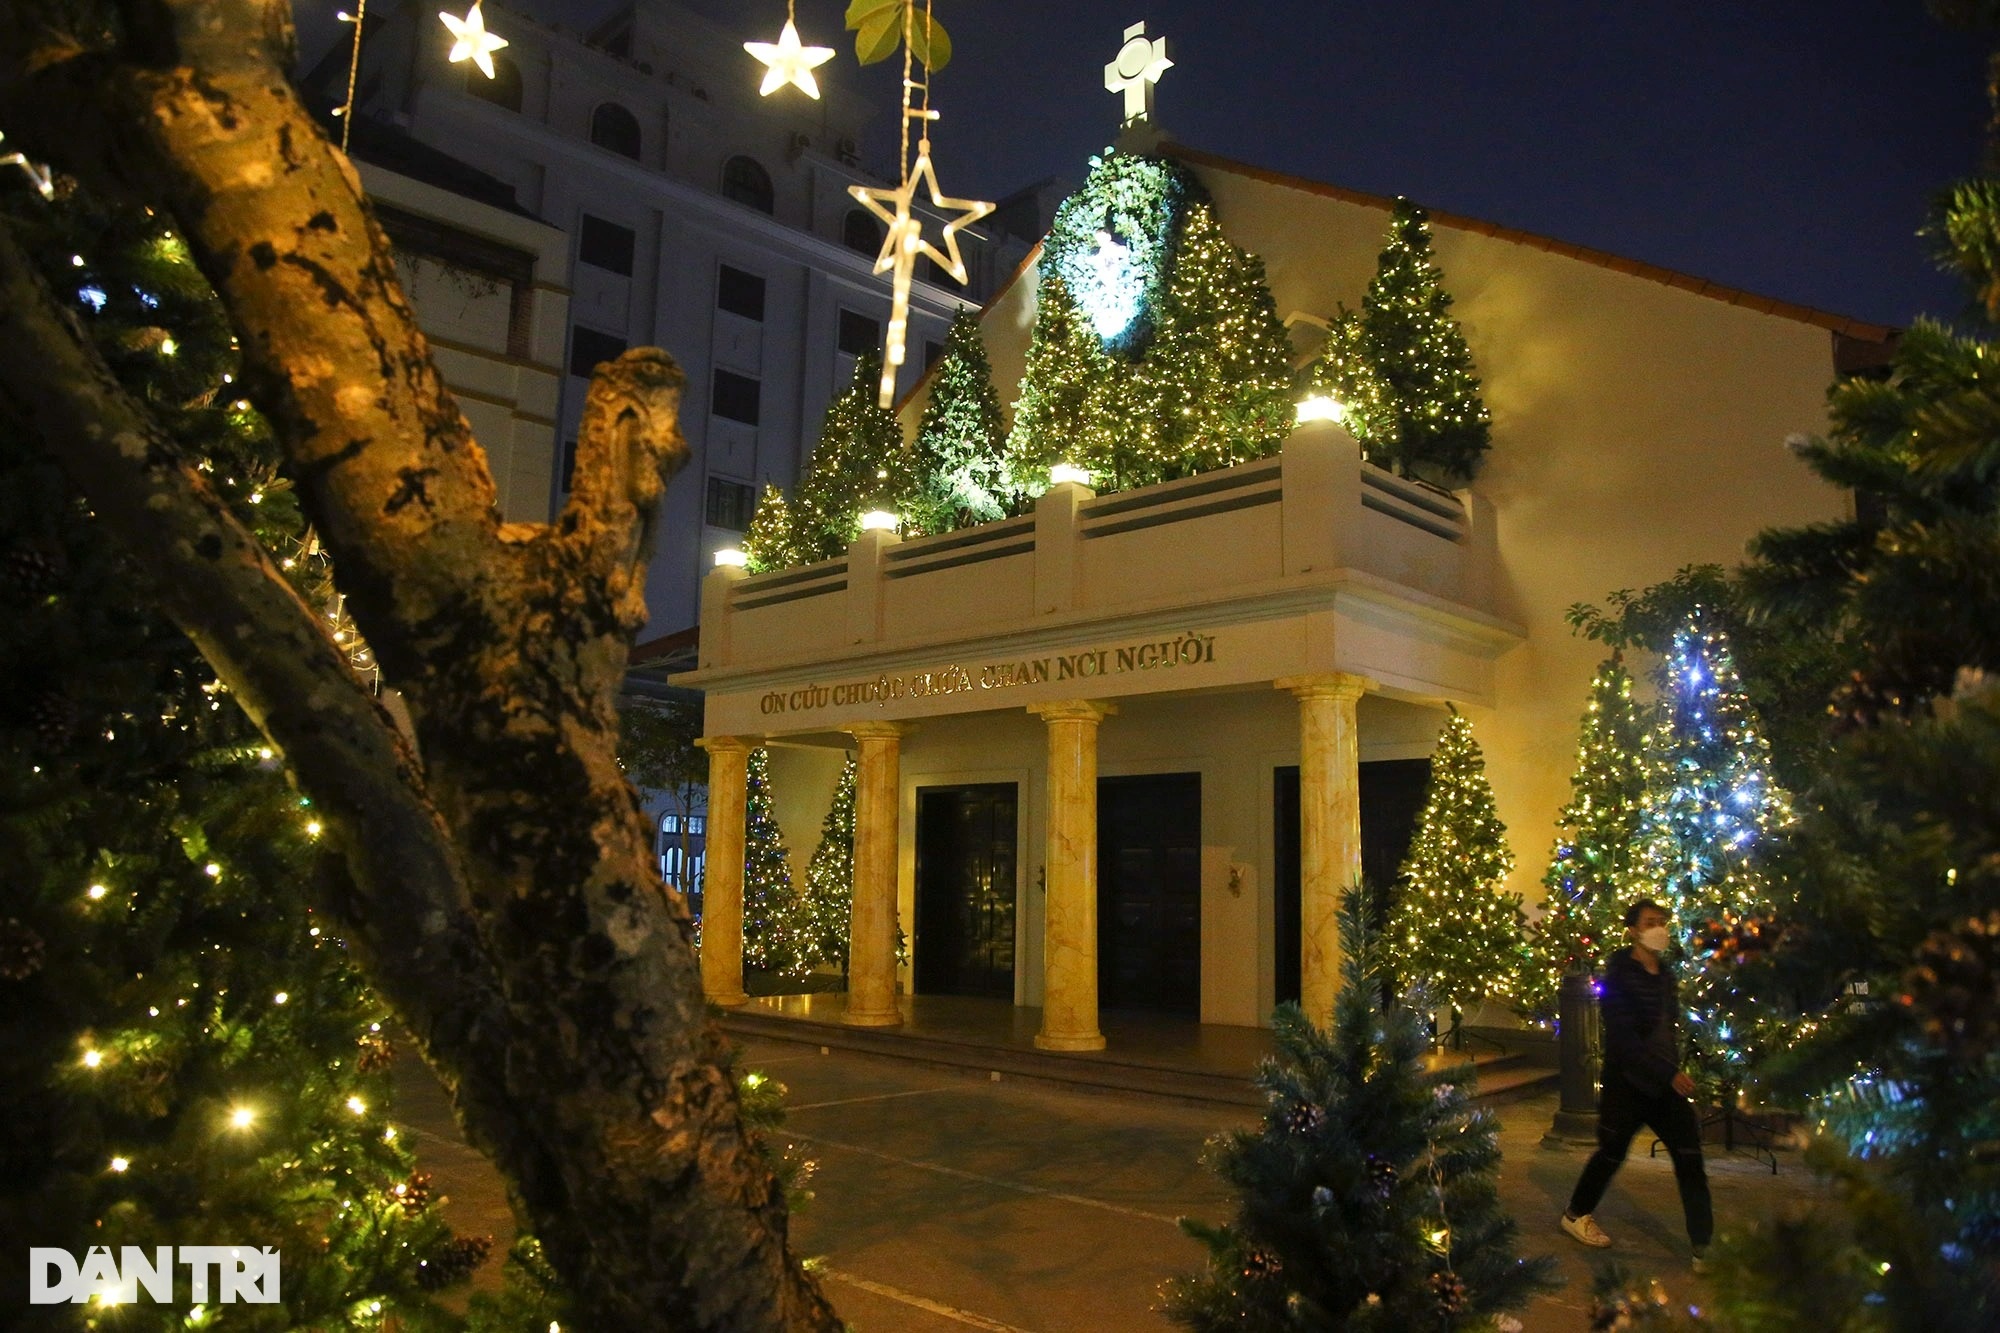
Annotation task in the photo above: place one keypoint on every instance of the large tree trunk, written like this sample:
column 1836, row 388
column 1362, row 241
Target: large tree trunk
column 502, row 892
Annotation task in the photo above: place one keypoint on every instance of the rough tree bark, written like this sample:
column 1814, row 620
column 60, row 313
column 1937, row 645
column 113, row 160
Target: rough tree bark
column 501, row 888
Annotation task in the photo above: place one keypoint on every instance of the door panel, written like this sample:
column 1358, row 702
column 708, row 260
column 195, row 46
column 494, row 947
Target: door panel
column 1149, row 893
column 966, row 849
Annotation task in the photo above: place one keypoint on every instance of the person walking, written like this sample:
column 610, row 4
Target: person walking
column 1643, row 1083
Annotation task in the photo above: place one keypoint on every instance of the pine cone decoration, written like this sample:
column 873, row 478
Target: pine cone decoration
column 21, row 950
column 415, row 1193
column 32, row 572
column 1382, row 1175
column 1304, row 1118
column 453, row 1262
column 376, row 1053
column 1262, row 1264
column 1449, row 1290
column 54, row 718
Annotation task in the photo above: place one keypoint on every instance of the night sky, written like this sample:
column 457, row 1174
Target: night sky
column 1790, row 147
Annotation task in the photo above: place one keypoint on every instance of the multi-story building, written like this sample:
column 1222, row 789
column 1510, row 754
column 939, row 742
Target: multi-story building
column 701, row 218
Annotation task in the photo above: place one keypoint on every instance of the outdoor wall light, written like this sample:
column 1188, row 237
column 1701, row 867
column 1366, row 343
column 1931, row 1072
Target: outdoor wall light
column 730, row 558
column 1319, row 407
column 879, row 520
column 1063, row 472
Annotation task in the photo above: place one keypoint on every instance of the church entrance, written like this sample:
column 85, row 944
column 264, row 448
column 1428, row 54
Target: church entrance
column 1392, row 798
column 1149, row 893
column 966, row 840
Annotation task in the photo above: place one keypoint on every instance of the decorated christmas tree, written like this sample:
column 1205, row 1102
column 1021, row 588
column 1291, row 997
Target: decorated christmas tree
column 187, row 1056
column 769, row 543
column 961, row 440
column 1156, row 351
column 1346, row 373
column 1441, row 427
column 1593, row 872
column 773, row 935
column 860, row 463
column 1366, row 1198
column 1453, row 932
column 1710, row 816
column 829, row 895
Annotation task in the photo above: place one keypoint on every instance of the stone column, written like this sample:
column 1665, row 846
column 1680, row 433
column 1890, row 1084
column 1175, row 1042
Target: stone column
column 722, row 870
column 1069, row 931
column 871, row 940
column 1329, row 826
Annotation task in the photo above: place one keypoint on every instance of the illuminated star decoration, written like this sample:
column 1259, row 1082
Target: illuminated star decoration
column 1138, row 66
column 905, row 242
column 44, row 183
column 471, row 41
column 789, row 62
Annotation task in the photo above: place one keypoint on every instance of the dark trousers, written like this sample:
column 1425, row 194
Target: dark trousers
column 1621, row 1110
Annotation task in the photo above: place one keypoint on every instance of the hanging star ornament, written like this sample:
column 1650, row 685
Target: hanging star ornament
column 905, row 241
column 471, row 41
column 789, row 61
column 39, row 176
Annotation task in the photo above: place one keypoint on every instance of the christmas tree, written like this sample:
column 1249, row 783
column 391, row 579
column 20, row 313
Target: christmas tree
column 829, row 895
column 187, row 1057
column 769, row 543
column 1452, row 931
column 1221, row 369
column 1593, row 872
column 860, row 463
column 1367, row 1196
column 1156, row 352
column 773, row 936
column 1346, row 373
column 958, row 454
column 1441, row 427
column 1709, row 815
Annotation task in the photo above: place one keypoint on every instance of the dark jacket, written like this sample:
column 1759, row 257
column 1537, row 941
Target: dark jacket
column 1639, row 1012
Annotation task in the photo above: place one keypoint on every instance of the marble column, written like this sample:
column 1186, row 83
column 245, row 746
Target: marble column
column 722, row 870
column 1329, row 826
column 871, row 940
column 1069, row 914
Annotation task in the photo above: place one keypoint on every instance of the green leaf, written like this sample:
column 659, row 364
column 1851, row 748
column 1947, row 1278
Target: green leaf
column 860, row 11
column 879, row 35
column 935, row 50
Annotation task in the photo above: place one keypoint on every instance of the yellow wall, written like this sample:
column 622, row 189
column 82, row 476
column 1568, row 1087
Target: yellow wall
column 1637, row 427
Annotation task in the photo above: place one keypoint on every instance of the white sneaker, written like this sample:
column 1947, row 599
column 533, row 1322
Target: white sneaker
column 1585, row 1230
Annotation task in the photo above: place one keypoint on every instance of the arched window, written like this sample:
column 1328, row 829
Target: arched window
column 503, row 89
column 862, row 232
column 613, row 127
column 747, row 183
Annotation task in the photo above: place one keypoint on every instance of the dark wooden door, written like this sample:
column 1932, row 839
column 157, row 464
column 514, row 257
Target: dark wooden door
column 1392, row 798
column 1149, row 893
column 966, row 840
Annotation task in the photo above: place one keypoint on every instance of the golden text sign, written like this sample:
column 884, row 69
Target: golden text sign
column 961, row 678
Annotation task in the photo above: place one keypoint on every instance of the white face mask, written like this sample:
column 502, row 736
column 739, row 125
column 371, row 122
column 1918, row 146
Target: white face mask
column 1655, row 938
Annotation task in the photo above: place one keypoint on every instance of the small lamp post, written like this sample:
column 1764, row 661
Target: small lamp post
column 1581, row 1046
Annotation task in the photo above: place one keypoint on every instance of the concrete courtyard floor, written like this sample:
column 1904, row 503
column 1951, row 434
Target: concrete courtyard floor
column 946, row 1202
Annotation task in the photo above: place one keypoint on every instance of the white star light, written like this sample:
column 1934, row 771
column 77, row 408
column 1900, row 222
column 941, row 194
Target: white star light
column 1138, row 66
column 39, row 175
column 790, row 62
column 905, row 242
column 471, row 41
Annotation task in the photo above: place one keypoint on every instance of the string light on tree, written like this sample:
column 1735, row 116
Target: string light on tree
column 346, row 109
column 788, row 61
column 470, row 39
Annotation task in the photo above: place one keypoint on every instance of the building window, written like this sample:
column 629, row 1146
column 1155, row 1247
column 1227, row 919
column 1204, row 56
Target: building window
column 588, row 348
column 730, row 504
column 503, row 89
column 605, row 245
column 739, row 293
column 861, row 232
column 932, row 351
column 747, row 183
column 934, row 273
column 859, row 335
column 615, row 128
column 735, row 397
